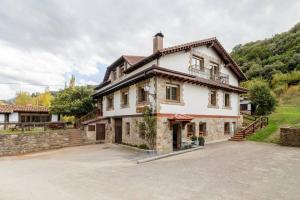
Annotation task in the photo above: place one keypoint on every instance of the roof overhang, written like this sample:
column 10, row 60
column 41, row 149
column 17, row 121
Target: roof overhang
column 163, row 72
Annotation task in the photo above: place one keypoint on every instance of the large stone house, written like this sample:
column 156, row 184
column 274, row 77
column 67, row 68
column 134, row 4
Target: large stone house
column 192, row 88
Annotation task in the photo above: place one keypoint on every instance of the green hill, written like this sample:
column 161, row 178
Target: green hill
column 276, row 60
column 287, row 113
column 263, row 58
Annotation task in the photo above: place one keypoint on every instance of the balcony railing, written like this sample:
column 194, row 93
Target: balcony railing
column 209, row 74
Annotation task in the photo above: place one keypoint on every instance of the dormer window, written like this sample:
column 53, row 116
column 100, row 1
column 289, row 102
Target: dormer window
column 122, row 68
column 198, row 62
column 114, row 75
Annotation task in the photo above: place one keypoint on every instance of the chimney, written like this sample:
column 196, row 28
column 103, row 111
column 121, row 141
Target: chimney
column 158, row 41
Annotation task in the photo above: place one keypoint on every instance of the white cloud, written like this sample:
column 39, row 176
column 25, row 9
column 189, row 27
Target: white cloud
column 42, row 42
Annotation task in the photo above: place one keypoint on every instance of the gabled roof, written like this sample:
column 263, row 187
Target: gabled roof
column 210, row 42
column 18, row 108
column 131, row 59
column 139, row 61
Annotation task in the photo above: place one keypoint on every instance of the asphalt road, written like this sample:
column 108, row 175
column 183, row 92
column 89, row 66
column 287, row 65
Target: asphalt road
column 228, row 170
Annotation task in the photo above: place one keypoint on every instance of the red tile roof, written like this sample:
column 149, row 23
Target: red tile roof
column 211, row 42
column 139, row 61
column 180, row 117
column 132, row 60
column 18, row 108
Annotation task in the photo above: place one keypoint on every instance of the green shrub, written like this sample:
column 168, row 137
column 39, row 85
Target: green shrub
column 194, row 138
column 262, row 99
column 143, row 146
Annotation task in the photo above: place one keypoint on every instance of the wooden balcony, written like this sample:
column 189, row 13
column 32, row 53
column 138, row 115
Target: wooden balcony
column 92, row 115
column 209, row 74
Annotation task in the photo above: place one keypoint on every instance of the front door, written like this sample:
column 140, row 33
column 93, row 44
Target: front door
column 118, row 130
column 176, row 137
column 100, row 131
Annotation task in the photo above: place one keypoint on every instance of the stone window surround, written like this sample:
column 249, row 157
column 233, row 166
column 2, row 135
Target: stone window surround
column 193, row 132
column 207, row 59
column 178, row 88
column 164, row 84
column 141, row 85
column 209, row 100
column 121, row 98
column 227, row 107
column 227, row 133
column 205, row 131
column 112, row 107
column 198, row 57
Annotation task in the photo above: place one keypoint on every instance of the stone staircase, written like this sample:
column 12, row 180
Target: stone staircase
column 258, row 124
column 76, row 138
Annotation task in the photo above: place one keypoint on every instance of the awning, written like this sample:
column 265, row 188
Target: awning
column 180, row 118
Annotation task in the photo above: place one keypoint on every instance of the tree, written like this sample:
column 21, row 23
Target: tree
column 148, row 125
column 262, row 99
column 23, row 98
column 76, row 101
column 44, row 99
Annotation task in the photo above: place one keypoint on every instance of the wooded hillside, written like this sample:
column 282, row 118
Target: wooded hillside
column 264, row 58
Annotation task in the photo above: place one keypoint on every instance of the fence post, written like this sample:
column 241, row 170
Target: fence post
column 22, row 127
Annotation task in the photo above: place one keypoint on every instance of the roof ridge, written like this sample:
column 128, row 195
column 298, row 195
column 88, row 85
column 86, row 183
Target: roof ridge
column 189, row 43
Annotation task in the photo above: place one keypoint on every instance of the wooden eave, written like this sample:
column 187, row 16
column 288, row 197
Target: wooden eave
column 167, row 73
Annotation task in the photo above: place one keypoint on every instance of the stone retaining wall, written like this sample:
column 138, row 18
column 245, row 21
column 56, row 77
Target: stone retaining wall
column 15, row 144
column 290, row 136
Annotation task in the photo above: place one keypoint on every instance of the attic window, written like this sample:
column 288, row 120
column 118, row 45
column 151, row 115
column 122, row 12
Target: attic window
column 198, row 62
column 122, row 68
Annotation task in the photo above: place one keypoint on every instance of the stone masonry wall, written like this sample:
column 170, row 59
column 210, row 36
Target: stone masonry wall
column 290, row 136
column 15, row 144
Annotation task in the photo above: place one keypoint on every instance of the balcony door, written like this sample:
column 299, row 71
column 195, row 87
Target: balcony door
column 214, row 71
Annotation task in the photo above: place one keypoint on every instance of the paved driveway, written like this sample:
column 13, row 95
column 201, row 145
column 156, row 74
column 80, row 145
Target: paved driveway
column 229, row 170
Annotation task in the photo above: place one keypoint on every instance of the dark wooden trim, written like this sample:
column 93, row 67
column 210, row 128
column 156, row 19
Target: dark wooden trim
column 169, row 115
column 160, row 71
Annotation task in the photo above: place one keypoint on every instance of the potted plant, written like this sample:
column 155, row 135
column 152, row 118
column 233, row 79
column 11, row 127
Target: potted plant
column 194, row 140
column 201, row 141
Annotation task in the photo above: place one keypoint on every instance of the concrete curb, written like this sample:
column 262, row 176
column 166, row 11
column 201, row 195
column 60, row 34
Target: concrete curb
column 136, row 148
column 168, row 155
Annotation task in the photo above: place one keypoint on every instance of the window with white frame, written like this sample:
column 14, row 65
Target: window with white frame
column 198, row 62
column 172, row 92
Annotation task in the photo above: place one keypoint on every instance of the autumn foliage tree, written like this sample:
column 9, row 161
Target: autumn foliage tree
column 39, row 99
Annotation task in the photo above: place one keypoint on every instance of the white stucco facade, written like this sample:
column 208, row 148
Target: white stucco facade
column 195, row 97
column 196, row 102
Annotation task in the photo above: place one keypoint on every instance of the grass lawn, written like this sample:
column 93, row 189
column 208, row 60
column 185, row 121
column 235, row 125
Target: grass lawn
column 286, row 114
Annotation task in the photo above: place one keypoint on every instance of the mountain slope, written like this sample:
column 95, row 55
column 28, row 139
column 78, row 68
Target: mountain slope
column 263, row 58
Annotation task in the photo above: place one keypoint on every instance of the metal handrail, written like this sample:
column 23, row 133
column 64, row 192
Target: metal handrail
column 207, row 73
